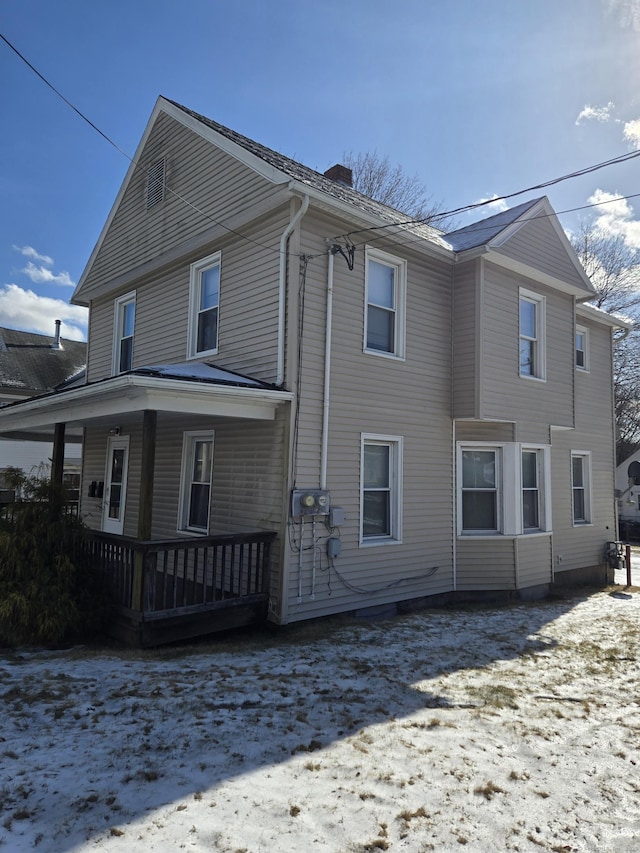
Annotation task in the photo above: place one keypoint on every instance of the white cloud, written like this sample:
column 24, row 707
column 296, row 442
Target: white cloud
column 615, row 218
column 41, row 275
column 600, row 114
column 493, row 207
column 626, row 11
column 24, row 309
column 30, row 252
column 631, row 133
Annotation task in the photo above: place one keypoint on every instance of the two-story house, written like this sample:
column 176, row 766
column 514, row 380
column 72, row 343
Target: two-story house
column 414, row 414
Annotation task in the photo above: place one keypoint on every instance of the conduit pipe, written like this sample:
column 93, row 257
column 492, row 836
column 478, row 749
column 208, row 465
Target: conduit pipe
column 327, row 375
column 282, row 286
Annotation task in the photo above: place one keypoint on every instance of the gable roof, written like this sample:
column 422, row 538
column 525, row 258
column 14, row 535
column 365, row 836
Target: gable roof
column 274, row 167
column 485, row 230
column 30, row 364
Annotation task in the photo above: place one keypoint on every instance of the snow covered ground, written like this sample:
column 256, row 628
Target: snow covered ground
column 491, row 729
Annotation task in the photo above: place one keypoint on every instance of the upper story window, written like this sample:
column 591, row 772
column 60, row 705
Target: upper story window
column 581, row 486
column 123, row 329
column 532, row 335
column 384, row 322
column 582, row 348
column 195, row 489
column 155, row 182
column 381, row 489
column 204, row 302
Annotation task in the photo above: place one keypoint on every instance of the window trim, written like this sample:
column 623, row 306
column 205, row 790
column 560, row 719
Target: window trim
column 195, row 279
column 582, row 330
column 189, row 437
column 395, row 444
column 510, row 514
column 399, row 291
column 540, row 339
column 119, row 306
column 585, row 455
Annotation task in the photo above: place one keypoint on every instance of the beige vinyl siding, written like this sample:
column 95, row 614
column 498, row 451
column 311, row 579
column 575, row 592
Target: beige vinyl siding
column 466, row 342
column 583, row 545
column 538, row 245
column 507, row 395
column 484, row 431
column 216, row 190
column 533, row 559
column 485, row 563
column 248, row 314
column 383, row 396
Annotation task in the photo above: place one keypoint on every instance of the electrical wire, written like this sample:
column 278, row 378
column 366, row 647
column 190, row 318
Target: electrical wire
column 364, row 591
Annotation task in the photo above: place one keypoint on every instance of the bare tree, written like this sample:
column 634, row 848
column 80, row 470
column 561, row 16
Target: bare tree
column 373, row 175
column 614, row 270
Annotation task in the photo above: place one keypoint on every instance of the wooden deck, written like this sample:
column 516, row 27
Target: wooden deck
column 175, row 589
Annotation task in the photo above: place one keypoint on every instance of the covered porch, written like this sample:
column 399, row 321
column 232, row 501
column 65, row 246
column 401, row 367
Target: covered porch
column 174, row 576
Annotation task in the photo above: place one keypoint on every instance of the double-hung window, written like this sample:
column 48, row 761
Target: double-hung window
column 204, row 303
column 481, row 490
column 581, row 486
column 582, row 348
column 381, row 489
column 532, row 334
column 384, row 322
column 195, row 488
column 123, row 329
column 532, row 491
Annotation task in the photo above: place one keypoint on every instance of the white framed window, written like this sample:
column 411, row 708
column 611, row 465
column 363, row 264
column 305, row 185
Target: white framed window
column 380, row 489
column 385, row 295
column 581, row 486
column 124, row 320
column 503, row 489
column 204, row 304
column 195, row 482
column 480, row 489
column 532, row 335
column 582, row 348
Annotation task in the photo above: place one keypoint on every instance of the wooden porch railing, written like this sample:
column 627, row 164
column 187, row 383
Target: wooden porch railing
column 167, row 577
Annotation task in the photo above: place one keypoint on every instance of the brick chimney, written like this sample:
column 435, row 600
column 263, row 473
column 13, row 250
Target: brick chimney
column 341, row 174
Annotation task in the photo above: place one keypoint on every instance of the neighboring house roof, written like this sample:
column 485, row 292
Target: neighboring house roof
column 32, row 364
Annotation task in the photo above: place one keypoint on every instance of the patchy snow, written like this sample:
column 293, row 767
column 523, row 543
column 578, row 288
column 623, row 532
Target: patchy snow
column 491, row 729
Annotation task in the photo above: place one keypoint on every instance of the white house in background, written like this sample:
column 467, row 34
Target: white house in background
column 413, row 415
column 32, row 365
column 628, row 488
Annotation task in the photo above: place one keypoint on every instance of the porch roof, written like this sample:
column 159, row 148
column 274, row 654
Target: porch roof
column 189, row 389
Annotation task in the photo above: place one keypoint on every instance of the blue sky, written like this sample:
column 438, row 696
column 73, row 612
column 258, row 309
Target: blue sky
column 476, row 97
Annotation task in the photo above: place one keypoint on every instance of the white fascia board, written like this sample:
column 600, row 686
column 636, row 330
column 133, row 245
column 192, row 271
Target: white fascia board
column 362, row 218
column 129, row 394
column 590, row 312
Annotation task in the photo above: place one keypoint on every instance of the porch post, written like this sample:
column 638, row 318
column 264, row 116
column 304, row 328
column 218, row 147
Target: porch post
column 145, row 507
column 57, row 459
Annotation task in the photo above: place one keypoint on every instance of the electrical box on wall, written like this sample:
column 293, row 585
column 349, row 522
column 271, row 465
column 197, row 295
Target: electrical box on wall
column 309, row 502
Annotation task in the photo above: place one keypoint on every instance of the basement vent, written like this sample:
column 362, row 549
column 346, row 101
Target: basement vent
column 155, row 183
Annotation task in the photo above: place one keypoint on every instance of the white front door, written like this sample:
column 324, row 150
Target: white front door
column 115, row 485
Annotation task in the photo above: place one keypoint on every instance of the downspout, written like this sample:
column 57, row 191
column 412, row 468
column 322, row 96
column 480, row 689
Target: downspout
column 327, row 375
column 282, row 286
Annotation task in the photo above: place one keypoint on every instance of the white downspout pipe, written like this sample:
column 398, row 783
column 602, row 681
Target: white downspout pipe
column 327, row 376
column 282, row 286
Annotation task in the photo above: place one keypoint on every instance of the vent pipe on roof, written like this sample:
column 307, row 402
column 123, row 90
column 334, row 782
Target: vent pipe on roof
column 57, row 344
column 341, row 174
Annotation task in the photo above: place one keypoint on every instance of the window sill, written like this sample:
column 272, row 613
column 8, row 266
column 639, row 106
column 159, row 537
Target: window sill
column 192, row 534
column 374, row 543
column 534, row 534
column 203, row 354
column 526, row 376
column 381, row 354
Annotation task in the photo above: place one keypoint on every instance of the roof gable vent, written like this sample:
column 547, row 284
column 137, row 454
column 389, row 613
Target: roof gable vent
column 155, row 183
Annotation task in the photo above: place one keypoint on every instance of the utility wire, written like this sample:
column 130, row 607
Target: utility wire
column 405, row 224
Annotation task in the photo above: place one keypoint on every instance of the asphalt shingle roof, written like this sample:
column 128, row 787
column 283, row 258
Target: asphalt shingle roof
column 29, row 365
